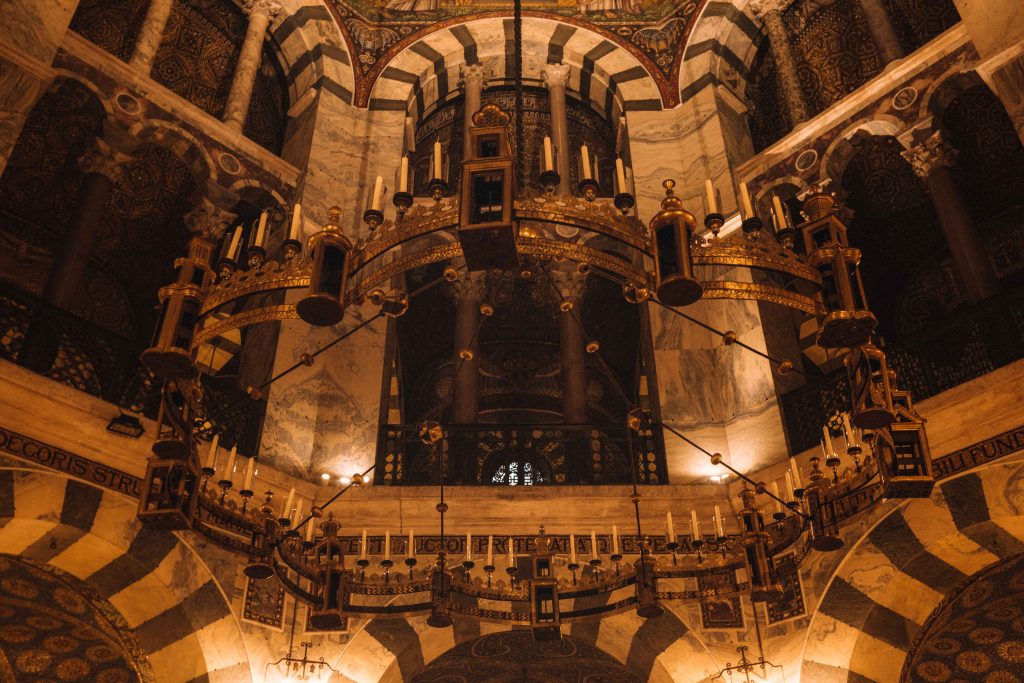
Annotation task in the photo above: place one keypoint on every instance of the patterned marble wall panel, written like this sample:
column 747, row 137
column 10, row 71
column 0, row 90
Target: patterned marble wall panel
column 35, row 29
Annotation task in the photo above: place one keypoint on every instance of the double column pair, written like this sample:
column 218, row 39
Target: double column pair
column 261, row 13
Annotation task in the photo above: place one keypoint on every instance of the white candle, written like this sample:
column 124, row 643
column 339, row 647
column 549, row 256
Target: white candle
column 490, row 550
column 297, row 512
column 248, row 474
column 585, row 162
column 828, row 440
column 362, row 546
column 261, row 230
column 593, row 544
column 775, row 492
column 615, row 540
column 572, row 548
column 511, row 552
column 719, row 529
column 412, row 544
column 851, row 438
column 549, row 155
column 694, row 525
column 288, row 503
column 233, row 247
column 387, row 544
column 294, row 232
column 403, row 174
column 437, row 160
column 469, row 546
column 377, row 200
column 748, row 207
column 790, row 496
column 670, row 528
column 780, row 214
column 211, row 460
column 709, row 192
column 620, row 176
column 229, row 466
column 310, row 529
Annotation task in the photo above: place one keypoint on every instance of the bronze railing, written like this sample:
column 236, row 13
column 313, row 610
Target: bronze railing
column 80, row 354
column 963, row 347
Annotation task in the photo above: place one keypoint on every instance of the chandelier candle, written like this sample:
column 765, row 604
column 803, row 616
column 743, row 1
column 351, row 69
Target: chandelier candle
column 387, row 544
column 412, row 545
column 615, row 540
column 233, row 247
column 211, row 460
column 293, row 232
column 490, row 550
column 469, row 547
column 572, row 548
column 229, row 466
column 748, row 207
column 711, row 198
column 377, row 199
column 670, row 528
column 261, row 230
column 585, row 163
column 593, row 544
column 310, row 530
column 403, row 174
column 774, row 488
column 789, row 486
column 781, row 223
column 620, row 176
column 719, row 530
column 362, row 547
column 297, row 512
column 694, row 525
column 247, row 486
column 511, row 552
column 436, row 161
column 797, row 483
column 288, row 504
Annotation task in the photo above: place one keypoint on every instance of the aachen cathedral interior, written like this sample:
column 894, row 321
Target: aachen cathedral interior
column 512, row 341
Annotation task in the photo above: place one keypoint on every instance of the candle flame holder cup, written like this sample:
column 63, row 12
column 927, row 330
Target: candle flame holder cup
column 255, row 257
column 550, row 179
column 291, row 249
column 402, row 202
column 373, row 218
column 437, row 188
column 624, row 201
column 588, row 189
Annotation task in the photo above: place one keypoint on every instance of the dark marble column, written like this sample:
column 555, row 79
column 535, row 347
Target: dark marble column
column 469, row 292
column 770, row 11
column 572, row 286
column 934, row 159
column 882, row 31
column 260, row 14
column 150, row 34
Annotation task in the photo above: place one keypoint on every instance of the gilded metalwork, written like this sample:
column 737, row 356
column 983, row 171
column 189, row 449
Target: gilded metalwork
column 762, row 253
column 752, row 291
column 598, row 217
column 272, row 277
column 244, row 319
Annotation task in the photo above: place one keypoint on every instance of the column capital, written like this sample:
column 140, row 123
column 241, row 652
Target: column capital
column 762, row 8
column 556, row 74
column 472, row 285
column 267, row 8
column 570, row 283
column 102, row 158
column 474, row 76
column 930, row 153
column 208, row 220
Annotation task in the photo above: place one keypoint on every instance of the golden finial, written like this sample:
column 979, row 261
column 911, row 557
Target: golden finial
column 671, row 201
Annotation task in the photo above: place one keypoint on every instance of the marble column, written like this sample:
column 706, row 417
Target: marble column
column 933, row 160
column 473, row 81
column 465, row 394
column 260, row 14
column 770, row 11
column 100, row 166
column 571, row 286
column 150, row 35
column 882, row 31
column 556, row 76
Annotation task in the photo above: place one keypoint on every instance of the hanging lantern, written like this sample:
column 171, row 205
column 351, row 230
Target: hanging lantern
column 545, row 616
column 824, row 525
column 170, row 490
column 903, row 455
column 261, row 544
column 647, row 584
column 440, row 595
column 487, row 232
column 331, row 586
column 871, row 387
column 763, row 585
column 170, row 355
column 847, row 321
column 672, row 230
column 329, row 250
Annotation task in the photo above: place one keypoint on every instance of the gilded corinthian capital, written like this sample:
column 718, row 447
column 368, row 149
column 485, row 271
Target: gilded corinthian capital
column 764, row 7
column 268, row 8
column 99, row 157
column 930, row 153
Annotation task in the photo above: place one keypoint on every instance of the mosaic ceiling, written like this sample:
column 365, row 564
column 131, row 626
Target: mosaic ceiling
column 653, row 30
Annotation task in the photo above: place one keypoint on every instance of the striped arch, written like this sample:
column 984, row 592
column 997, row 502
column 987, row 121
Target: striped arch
column 721, row 48
column 313, row 51
column 893, row 579
column 662, row 650
column 177, row 611
column 601, row 72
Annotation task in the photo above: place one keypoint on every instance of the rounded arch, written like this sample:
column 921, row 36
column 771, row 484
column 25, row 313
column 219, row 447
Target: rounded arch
column 162, row 589
column 424, row 68
column 721, row 47
column 896, row 575
column 947, row 87
column 313, row 50
column 184, row 145
column 839, row 152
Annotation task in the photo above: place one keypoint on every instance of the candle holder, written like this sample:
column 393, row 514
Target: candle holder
column 226, row 268
column 285, row 522
column 550, row 179
column 588, row 189
column 786, row 237
column 362, row 563
column 468, row 565
column 489, row 570
column 255, row 257
column 373, row 218
column 779, row 516
column 512, row 573
column 387, row 565
column 437, row 188
column 402, row 202
column 617, row 559
column 410, row 562
column 246, row 494
column 673, row 547
column 698, row 544
column 291, row 249
column 224, row 485
column 799, row 494
column 595, row 564
column 207, row 473
column 752, row 226
column 574, row 567
column 624, row 201
column 714, row 223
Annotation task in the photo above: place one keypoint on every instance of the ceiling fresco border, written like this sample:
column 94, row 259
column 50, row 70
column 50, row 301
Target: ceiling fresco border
column 368, row 64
